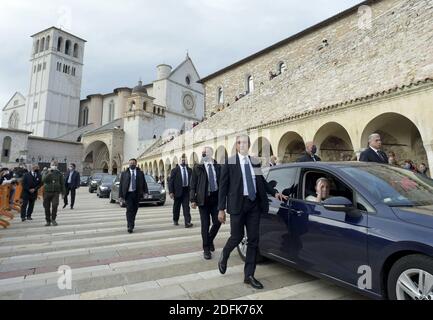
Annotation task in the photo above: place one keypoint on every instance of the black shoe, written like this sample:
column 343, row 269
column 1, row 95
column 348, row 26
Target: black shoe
column 188, row 225
column 253, row 282
column 48, row 224
column 130, row 231
column 54, row 223
column 72, row 208
column 23, row 219
column 212, row 247
column 207, row 255
column 29, row 218
column 222, row 265
column 64, row 206
column 176, row 223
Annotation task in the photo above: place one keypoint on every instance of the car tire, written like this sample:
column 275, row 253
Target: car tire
column 406, row 272
column 122, row 204
column 242, row 250
column 90, row 191
column 161, row 203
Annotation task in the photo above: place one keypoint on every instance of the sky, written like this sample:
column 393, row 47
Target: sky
column 127, row 39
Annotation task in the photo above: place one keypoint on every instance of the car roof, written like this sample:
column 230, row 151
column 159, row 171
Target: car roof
column 328, row 165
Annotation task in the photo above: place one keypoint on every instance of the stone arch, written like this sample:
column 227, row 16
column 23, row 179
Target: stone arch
column 97, row 156
column 262, row 148
column 155, row 169
column 399, row 135
column 333, row 143
column 290, row 147
column 14, row 120
column 221, row 155
column 193, row 160
column 6, row 149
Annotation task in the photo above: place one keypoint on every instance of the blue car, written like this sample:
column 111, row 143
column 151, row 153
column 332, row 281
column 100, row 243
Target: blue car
column 372, row 233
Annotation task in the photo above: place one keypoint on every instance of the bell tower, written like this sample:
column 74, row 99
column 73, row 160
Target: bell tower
column 53, row 100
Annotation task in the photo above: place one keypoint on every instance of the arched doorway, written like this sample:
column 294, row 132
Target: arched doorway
column 334, row 143
column 290, row 147
column 399, row 135
column 97, row 157
column 221, row 155
column 262, row 149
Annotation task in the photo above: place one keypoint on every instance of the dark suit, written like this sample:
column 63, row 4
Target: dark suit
column 369, row 155
column 71, row 187
column 244, row 213
column 31, row 180
column 307, row 158
column 181, row 193
column 132, row 198
column 207, row 201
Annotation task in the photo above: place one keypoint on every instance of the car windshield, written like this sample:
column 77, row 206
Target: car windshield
column 97, row 176
column 394, row 186
column 108, row 179
column 84, row 178
column 150, row 179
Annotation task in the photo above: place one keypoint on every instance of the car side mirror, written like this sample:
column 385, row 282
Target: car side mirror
column 341, row 204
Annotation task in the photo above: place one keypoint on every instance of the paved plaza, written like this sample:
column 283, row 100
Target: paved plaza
column 158, row 261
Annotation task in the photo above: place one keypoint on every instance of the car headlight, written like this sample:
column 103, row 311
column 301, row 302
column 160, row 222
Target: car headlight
column 163, row 191
column 103, row 188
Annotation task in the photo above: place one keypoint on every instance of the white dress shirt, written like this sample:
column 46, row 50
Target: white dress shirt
column 130, row 182
column 184, row 183
column 206, row 165
column 244, row 178
column 70, row 176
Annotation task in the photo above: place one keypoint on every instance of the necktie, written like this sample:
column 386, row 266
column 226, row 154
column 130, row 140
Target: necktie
column 380, row 155
column 133, row 181
column 212, row 184
column 249, row 178
column 185, row 180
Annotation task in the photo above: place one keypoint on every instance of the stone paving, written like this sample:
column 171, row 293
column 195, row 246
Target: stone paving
column 158, row 261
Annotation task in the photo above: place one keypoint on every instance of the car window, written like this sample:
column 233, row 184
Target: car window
column 336, row 187
column 284, row 180
column 394, row 186
column 149, row 179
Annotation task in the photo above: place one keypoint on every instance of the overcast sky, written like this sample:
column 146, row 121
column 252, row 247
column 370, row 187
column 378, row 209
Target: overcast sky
column 128, row 38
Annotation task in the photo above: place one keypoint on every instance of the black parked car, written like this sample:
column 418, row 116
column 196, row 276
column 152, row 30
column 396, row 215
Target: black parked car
column 84, row 181
column 104, row 186
column 157, row 193
column 94, row 180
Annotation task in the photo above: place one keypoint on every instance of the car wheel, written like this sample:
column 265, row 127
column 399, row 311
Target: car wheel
column 161, row 203
column 90, row 191
column 411, row 278
column 111, row 198
column 242, row 250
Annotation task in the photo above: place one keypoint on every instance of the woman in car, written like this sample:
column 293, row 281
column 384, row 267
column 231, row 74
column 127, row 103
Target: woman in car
column 323, row 187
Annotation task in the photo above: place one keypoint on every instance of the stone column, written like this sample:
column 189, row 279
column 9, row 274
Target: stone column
column 429, row 151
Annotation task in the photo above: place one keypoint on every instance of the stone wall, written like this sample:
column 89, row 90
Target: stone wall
column 356, row 62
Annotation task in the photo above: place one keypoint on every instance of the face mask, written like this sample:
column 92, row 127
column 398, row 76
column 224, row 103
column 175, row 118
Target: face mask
column 313, row 150
column 36, row 170
column 70, row 168
column 407, row 166
column 132, row 166
column 54, row 167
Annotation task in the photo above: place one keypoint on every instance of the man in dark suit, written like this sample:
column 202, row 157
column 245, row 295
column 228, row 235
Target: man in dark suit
column 310, row 153
column 132, row 188
column 204, row 194
column 72, row 183
column 373, row 152
column 32, row 181
column 243, row 192
column 179, row 188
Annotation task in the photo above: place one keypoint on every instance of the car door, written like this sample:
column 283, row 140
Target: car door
column 274, row 225
column 325, row 241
